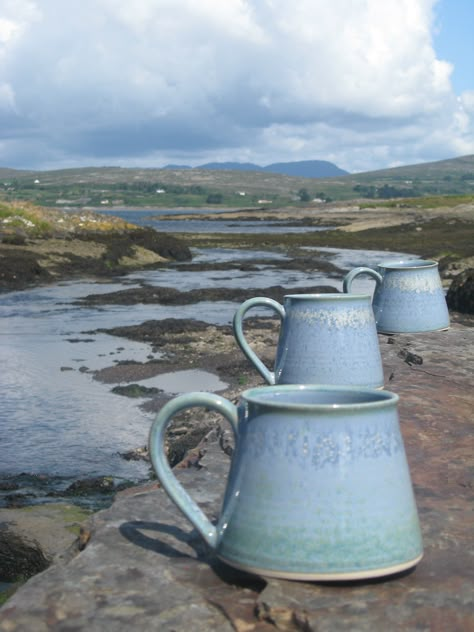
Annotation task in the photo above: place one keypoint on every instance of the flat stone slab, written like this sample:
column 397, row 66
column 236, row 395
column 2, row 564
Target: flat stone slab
column 145, row 568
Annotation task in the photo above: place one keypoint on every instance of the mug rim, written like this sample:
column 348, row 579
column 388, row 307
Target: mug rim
column 377, row 398
column 329, row 295
column 401, row 264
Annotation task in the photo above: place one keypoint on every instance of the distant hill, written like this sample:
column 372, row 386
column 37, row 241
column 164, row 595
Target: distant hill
column 177, row 167
column 300, row 168
column 230, row 166
column 195, row 187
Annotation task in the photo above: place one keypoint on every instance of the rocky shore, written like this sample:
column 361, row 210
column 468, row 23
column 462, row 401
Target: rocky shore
column 40, row 246
column 444, row 234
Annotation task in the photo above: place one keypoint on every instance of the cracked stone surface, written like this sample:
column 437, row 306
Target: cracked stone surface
column 145, row 568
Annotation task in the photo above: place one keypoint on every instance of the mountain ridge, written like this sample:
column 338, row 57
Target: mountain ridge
column 301, row 168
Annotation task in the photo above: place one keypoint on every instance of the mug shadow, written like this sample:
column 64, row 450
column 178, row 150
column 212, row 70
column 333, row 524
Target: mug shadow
column 133, row 531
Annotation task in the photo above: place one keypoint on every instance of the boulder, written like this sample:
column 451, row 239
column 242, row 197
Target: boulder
column 20, row 558
column 460, row 296
column 31, row 537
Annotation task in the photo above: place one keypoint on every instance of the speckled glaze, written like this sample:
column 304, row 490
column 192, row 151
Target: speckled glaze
column 319, row 486
column 324, row 339
column 408, row 297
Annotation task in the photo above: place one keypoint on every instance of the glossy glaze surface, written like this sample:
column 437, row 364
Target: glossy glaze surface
column 408, row 297
column 324, row 339
column 319, row 485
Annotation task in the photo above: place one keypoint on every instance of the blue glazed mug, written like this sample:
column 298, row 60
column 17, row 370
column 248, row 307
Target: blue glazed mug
column 408, row 297
column 324, row 339
column 318, row 488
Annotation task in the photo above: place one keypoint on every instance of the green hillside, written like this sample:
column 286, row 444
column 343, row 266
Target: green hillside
column 109, row 187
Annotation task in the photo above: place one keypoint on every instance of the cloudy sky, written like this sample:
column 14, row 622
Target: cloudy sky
column 366, row 84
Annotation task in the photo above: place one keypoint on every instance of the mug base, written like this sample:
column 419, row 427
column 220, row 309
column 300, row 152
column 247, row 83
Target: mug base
column 331, row 577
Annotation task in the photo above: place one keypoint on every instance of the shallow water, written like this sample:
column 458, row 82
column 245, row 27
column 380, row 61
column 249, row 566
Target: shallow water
column 177, row 382
column 224, row 225
column 55, row 418
column 263, row 275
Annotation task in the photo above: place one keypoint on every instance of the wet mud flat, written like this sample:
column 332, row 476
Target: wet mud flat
column 191, row 345
column 187, row 344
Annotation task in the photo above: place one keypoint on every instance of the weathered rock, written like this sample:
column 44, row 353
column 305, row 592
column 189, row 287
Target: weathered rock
column 126, row 243
column 97, row 485
column 145, row 567
column 20, row 268
column 15, row 239
column 136, row 390
column 409, row 357
column 163, row 244
column 460, row 296
column 137, row 454
column 452, row 265
column 31, row 537
column 20, row 558
column 101, row 254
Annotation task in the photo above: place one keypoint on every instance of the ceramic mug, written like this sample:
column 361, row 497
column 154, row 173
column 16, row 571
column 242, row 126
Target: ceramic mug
column 408, row 297
column 318, row 488
column 324, row 339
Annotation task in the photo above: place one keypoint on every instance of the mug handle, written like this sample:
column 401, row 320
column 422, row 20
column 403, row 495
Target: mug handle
column 347, row 283
column 261, row 301
column 168, row 480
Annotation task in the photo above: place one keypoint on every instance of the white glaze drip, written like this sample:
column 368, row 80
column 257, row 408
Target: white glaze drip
column 417, row 283
column 354, row 317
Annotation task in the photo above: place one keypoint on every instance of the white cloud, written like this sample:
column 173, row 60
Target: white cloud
column 152, row 81
column 467, row 102
column 8, row 30
column 7, row 97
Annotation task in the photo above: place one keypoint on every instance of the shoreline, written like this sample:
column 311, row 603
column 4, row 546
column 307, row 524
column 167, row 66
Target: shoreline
column 107, row 249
